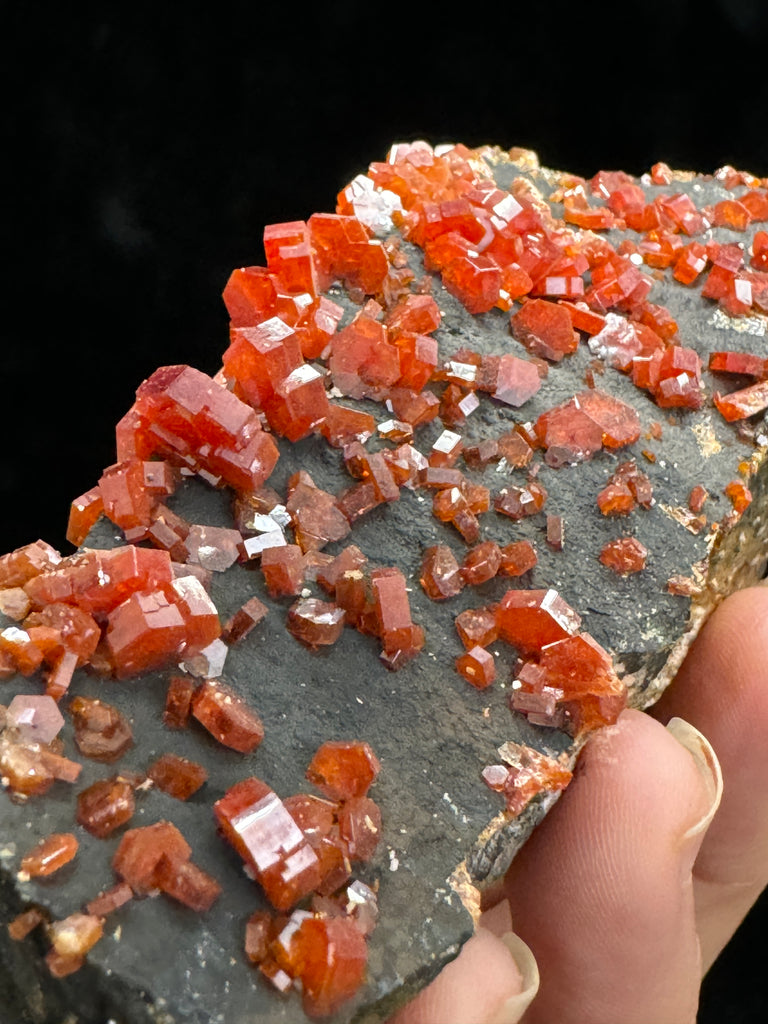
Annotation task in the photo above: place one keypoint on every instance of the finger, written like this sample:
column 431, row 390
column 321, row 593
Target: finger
column 492, row 981
column 602, row 891
column 722, row 689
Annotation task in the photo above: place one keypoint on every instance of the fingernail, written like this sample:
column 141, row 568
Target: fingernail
column 705, row 759
column 513, row 1008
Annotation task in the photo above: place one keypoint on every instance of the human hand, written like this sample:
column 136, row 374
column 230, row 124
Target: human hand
column 632, row 885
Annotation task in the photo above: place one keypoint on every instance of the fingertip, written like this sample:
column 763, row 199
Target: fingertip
column 485, row 984
column 514, row 1006
column 708, row 767
column 602, row 890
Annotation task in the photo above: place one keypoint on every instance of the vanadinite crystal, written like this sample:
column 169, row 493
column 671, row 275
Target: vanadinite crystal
column 531, row 619
column 524, row 773
column 455, row 370
column 343, row 770
column 50, row 854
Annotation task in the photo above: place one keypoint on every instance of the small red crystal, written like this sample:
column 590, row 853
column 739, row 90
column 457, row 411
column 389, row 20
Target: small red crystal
column 360, row 827
column 739, row 494
column 110, row 900
column 50, row 854
column 517, row 558
column 178, row 702
column 625, row 555
column 342, row 770
column 101, row 731
column 105, row 806
column 531, row 619
column 187, row 883
column 227, row 717
column 140, row 851
column 477, row 667
column 740, row 405
column 177, row 776
column 440, row 576
column 283, row 569
column 545, row 329
column 477, row 627
column 24, row 923
column 481, row 563
column 315, row 623
column 335, row 956
column 519, row 502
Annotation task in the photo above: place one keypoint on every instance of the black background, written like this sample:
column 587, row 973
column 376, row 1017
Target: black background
column 146, row 147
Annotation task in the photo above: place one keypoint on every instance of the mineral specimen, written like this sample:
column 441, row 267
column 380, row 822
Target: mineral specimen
column 501, row 359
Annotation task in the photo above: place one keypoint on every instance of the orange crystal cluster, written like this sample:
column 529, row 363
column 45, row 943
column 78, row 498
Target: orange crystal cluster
column 158, row 857
column 568, row 680
column 124, row 607
column 302, row 846
column 523, row 774
column 571, row 684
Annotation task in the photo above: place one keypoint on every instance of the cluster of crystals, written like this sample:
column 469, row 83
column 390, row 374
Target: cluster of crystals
column 303, row 847
column 523, row 774
column 31, row 752
column 495, row 248
column 568, row 681
column 158, row 858
column 287, row 345
column 151, row 859
column 124, row 611
column 627, row 488
column 72, row 937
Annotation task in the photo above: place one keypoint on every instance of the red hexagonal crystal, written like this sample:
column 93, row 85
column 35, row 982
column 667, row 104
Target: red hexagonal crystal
column 481, row 563
column 334, row 954
column 531, row 619
column 144, row 632
column 477, row 667
column 363, row 360
column 315, row 516
column 440, row 576
column 22, row 565
column 625, row 556
column 545, row 329
column 315, row 623
column 519, row 502
column 255, row 821
column 227, row 717
column 283, row 569
column 177, row 776
column 343, row 769
column 102, row 732
column 360, row 827
column 477, row 627
column 105, row 806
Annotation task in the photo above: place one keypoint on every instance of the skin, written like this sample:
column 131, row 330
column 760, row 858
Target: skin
column 646, row 880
